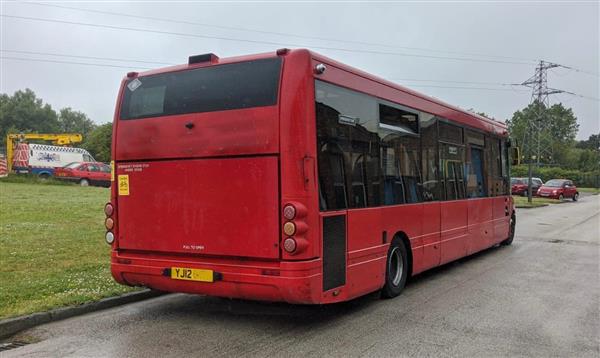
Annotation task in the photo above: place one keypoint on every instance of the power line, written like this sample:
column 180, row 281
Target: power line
column 173, row 64
column 177, row 21
column 468, row 88
column 185, row 34
column 86, row 57
column 581, row 96
column 119, row 66
column 451, row 81
column 68, row 62
column 581, row 71
column 153, row 62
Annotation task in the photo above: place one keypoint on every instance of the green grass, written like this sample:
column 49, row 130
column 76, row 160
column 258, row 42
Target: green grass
column 589, row 190
column 521, row 202
column 32, row 179
column 52, row 249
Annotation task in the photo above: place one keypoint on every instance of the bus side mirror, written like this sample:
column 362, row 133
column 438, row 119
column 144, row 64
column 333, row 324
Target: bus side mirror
column 515, row 155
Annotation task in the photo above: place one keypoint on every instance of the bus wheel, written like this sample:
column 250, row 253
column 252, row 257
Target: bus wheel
column 511, row 232
column 84, row 182
column 396, row 271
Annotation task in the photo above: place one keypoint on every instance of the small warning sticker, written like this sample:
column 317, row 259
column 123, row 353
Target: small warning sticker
column 123, row 185
column 133, row 85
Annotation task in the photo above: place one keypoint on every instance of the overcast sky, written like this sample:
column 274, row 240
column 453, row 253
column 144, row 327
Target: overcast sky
column 517, row 32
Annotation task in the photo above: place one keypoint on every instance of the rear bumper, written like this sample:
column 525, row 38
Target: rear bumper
column 548, row 195
column 293, row 282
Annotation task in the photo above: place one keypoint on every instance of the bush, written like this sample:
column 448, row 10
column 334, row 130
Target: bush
column 583, row 179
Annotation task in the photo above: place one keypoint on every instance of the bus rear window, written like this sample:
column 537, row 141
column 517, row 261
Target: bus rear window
column 208, row 89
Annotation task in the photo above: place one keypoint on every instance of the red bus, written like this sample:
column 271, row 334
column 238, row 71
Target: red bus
column 288, row 176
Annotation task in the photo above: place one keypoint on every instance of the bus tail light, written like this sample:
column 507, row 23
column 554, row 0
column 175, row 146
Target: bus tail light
column 110, row 237
column 295, row 226
column 289, row 245
column 289, row 228
column 109, row 223
column 289, row 212
column 295, row 245
column 109, row 209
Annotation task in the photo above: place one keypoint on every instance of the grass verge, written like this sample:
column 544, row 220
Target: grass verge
column 32, row 179
column 52, row 250
column 593, row 191
column 521, row 202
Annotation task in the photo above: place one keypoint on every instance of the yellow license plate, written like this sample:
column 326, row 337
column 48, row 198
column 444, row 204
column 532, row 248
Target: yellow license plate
column 190, row 274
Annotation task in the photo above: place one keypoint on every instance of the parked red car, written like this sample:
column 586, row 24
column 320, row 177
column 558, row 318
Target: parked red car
column 85, row 173
column 559, row 189
column 519, row 186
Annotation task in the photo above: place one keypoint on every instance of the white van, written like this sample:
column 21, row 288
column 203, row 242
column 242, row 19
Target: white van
column 43, row 159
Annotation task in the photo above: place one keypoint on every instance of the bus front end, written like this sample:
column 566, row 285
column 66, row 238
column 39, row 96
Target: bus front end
column 198, row 203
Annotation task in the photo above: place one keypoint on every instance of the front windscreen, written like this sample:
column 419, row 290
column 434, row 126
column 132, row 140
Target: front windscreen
column 554, row 183
column 207, row 89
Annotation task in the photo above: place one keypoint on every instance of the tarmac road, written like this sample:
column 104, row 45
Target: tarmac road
column 538, row 297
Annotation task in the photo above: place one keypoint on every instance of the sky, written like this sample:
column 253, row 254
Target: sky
column 465, row 53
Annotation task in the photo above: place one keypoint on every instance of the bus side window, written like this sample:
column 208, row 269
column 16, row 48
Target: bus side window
column 452, row 160
column 332, row 181
column 348, row 159
column 429, row 157
column 495, row 183
column 504, row 164
column 475, row 164
column 359, row 190
column 399, row 132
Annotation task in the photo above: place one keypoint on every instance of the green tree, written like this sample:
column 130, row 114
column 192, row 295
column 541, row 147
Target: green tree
column 561, row 126
column 71, row 121
column 98, row 142
column 593, row 142
column 24, row 112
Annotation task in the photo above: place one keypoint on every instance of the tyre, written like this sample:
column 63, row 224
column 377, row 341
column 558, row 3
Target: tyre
column 44, row 176
column 396, row 269
column 511, row 231
column 84, row 182
column 576, row 197
column 561, row 197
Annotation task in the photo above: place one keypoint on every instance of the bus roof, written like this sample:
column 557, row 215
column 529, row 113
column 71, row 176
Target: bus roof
column 499, row 128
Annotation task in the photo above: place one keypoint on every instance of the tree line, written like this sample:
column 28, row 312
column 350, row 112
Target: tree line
column 570, row 158
column 24, row 112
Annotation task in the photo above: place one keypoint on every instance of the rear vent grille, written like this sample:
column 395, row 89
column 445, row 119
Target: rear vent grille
column 334, row 252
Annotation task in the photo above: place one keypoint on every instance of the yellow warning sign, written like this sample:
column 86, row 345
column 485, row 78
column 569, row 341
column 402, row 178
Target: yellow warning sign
column 112, row 170
column 123, row 184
